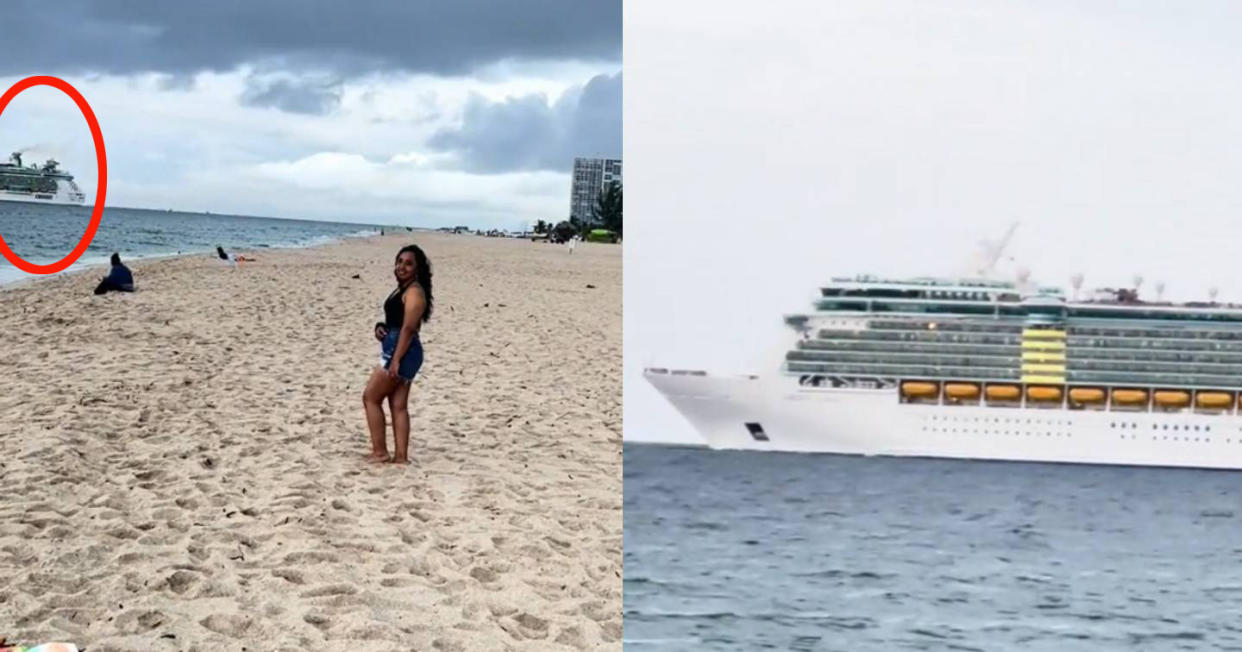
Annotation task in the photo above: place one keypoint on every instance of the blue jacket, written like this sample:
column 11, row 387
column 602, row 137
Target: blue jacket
column 122, row 277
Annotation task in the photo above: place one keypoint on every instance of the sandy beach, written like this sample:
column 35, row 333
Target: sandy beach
column 182, row 467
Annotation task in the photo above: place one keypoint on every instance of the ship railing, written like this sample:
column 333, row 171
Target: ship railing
column 880, row 347
column 1172, row 333
column 1147, row 343
column 929, row 335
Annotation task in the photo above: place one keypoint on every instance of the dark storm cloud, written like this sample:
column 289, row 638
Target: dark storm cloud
column 180, row 38
column 526, row 133
column 293, row 96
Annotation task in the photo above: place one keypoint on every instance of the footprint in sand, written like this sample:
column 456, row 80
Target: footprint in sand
column 572, row 637
column 182, row 581
column 330, row 590
column 484, row 575
column 137, row 622
column 233, row 625
column 319, row 621
column 289, row 575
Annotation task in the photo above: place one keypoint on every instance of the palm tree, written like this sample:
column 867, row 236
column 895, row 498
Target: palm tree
column 542, row 227
column 607, row 208
column 563, row 231
column 580, row 227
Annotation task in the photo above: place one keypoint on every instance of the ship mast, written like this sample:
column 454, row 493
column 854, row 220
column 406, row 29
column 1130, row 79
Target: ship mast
column 989, row 253
column 994, row 250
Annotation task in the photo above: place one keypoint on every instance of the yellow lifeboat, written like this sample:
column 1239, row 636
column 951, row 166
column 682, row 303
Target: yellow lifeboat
column 918, row 390
column 1043, row 393
column 1172, row 398
column 1002, row 393
column 961, row 391
column 1214, row 399
column 1086, row 395
column 1129, row 396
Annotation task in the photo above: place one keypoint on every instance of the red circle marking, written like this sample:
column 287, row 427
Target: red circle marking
column 101, row 160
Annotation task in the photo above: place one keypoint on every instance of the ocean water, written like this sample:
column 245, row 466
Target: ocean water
column 752, row 551
column 45, row 233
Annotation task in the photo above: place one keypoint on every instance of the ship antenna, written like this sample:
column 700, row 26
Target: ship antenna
column 1159, row 291
column 1076, row 281
column 1212, row 293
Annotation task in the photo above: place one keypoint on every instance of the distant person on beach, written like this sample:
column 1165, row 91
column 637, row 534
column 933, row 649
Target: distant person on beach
column 572, row 241
column 228, row 258
column 120, row 279
column 401, row 355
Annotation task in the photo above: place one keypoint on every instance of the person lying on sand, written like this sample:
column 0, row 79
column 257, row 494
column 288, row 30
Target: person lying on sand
column 228, row 258
column 401, row 355
column 120, row 279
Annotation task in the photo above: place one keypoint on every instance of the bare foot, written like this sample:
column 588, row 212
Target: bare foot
column 377, row 458
column 399, row 460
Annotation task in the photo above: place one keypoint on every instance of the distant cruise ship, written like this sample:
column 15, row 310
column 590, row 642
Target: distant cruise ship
column 43, row 185
column 987, row 369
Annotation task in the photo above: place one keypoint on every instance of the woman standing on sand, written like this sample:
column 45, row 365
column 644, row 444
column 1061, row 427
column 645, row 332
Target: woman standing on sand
column 401, row 354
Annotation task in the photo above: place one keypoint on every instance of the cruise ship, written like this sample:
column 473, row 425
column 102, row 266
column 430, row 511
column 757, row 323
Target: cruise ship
column 47, row 184
column 980, row 368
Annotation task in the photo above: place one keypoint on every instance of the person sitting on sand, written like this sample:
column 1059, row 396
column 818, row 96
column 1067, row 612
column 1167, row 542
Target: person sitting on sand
column 120, row 279
column 401, row 355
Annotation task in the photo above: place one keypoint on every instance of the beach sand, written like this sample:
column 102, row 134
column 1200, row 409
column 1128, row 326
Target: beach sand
column 182, row 467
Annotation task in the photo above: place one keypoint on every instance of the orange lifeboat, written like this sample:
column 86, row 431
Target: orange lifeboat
column 1086, row 395
column 919, row 390
column 1002, row 393
column 1214, row 399
column 1043, row 393
column 1172, row 398
column 1129, row 396
column 961, row 391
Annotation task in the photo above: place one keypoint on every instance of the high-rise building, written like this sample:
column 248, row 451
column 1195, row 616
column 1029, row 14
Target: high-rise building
column 591, row 175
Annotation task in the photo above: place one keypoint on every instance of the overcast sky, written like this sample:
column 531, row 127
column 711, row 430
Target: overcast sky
column 424, row 113
column 770, row 146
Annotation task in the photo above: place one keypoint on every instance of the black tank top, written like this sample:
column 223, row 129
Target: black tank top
column 394, row 308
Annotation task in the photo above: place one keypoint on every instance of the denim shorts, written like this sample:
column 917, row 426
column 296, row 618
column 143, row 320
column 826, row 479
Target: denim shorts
column 413, row 359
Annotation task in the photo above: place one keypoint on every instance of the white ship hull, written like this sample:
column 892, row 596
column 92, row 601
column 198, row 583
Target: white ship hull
column 63, row 195
column 874, row 422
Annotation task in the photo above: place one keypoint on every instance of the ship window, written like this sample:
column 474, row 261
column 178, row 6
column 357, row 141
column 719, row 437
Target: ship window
column 756, row 432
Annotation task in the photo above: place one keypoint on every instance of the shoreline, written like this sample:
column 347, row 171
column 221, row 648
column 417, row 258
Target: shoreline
column 149, row 258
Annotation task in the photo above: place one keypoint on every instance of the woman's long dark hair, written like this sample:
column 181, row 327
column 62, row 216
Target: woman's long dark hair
column 422, row 274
